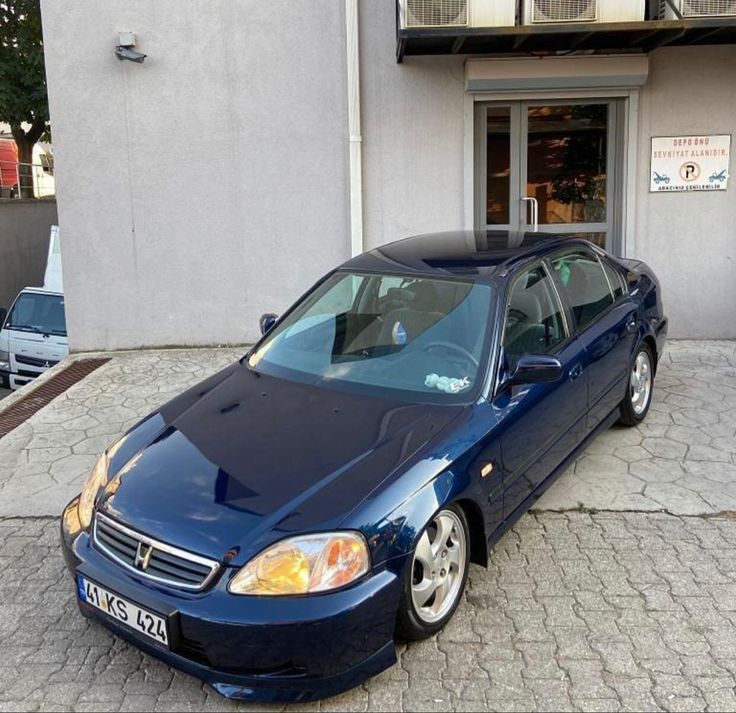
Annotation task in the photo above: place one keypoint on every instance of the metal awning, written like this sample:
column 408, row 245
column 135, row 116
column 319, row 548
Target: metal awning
column 610, row 36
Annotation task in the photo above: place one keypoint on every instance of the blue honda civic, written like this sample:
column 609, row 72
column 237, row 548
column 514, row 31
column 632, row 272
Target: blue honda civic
column 274, row 529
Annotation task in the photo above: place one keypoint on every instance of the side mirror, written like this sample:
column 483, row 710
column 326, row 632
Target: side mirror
column 267, row 321
column 3, row 315
column 537, row 369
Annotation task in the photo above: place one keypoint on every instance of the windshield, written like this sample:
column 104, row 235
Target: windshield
column 34, row 312
column 422, row 337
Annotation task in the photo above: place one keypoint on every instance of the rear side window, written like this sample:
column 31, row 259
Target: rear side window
column 584, row 284
column 534, row 321
column 615, row 280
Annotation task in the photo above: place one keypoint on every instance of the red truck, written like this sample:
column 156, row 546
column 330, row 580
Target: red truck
column 8, row 167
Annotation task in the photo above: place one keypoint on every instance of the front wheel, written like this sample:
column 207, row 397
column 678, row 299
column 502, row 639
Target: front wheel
column 638, row 397
column 436, row 576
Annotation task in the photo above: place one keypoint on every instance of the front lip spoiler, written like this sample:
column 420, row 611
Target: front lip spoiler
column 268, row 688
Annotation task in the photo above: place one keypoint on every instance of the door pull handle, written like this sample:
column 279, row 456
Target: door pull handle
column 575, row 372
column 535, row 211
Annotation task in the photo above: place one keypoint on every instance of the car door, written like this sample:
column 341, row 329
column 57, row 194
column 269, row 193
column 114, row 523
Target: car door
column 605, row 321
column 540, row 424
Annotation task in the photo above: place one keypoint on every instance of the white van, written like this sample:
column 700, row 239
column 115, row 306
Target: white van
column 33, row 336
column 33, row 333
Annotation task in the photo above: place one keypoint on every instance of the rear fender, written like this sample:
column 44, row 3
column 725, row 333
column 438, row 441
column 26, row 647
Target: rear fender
column 644, row 286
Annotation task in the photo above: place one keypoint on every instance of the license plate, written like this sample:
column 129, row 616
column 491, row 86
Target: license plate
column 124, row 611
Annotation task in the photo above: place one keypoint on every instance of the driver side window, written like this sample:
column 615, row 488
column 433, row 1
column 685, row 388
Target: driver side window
column 534, row 319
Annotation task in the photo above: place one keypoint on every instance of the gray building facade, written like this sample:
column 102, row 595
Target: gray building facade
column 212, row 182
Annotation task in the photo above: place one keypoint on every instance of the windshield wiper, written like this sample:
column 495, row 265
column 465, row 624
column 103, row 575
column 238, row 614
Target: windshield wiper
column 25, row 328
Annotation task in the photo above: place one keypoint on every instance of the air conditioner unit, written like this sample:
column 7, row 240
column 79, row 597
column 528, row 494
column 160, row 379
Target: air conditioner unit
column 546, row 12
column 457, row 13
column 697, row 8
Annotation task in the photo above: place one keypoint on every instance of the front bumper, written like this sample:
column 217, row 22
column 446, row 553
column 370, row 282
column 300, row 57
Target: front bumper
column 271, row 649
column 13, row 381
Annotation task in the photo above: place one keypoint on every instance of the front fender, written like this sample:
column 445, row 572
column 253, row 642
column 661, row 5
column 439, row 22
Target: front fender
column 396, row 534
column 399, row 531
column 394, row 516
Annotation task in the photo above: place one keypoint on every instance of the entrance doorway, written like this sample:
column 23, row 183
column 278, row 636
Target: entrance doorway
column 551, row 167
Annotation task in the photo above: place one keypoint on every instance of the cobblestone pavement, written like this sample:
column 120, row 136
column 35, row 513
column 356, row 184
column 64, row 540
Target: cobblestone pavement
column 682, row 459
column 610, row 611
column 578, row 610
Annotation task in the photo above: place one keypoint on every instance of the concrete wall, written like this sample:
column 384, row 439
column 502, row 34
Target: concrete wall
column 412, row 134
column 690, row 238
column 208, row 184
column 24, row 245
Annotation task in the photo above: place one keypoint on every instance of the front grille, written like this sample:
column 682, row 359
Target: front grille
column 33, row 361
column 28, row 374
column 150, row 558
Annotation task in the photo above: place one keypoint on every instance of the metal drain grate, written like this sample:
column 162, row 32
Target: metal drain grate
column 22, row 410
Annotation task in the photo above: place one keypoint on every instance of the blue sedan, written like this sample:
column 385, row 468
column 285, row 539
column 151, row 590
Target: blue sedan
column 275, row 528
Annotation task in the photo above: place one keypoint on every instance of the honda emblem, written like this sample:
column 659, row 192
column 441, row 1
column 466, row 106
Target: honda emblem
column 143, row 555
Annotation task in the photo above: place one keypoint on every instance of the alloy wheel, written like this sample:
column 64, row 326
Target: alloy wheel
column 641, row 383
column 438, row 567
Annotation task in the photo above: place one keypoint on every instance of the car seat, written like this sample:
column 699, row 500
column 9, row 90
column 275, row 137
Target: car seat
column 526, row 335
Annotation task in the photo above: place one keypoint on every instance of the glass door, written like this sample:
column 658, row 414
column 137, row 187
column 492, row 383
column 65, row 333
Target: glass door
column 549, row 167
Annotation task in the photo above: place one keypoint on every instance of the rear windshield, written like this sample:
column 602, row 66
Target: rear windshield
column 416, row 338
column 39, row 313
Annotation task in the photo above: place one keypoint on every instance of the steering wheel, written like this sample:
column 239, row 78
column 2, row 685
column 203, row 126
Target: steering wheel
column 451, row 347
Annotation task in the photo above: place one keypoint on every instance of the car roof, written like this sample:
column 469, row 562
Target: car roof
column 478, row 254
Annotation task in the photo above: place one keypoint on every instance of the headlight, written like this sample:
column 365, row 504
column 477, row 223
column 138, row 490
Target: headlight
column 304, row 565
column 96, row 480
column 4, row 361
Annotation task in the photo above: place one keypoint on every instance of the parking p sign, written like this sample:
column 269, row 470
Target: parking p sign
column 690, row 163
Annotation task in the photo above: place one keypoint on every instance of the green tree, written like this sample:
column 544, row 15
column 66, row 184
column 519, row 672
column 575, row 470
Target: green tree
column 23, row 97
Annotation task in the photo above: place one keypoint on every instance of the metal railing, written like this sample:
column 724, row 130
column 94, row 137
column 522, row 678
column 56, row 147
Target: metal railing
column 26, row 180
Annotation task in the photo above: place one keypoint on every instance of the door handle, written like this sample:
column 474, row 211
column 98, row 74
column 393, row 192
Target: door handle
column 576, row 371
column 535, row 211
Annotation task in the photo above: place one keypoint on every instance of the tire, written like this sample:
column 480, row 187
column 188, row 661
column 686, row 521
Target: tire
column 640, row 387
column 435, row 578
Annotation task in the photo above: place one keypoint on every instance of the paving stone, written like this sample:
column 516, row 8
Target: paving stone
column 594, row 650
column 576, row 611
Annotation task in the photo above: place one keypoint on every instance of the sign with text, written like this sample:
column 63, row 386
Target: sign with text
column 690, row 163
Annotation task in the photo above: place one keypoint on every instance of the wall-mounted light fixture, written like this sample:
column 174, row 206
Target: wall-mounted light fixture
column 124, row 48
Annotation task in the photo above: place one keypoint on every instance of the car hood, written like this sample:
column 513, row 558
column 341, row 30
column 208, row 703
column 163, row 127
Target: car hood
column 246, row 459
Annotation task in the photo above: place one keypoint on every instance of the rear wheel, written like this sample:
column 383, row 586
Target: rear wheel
column 436, row 575
column 638, row 398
